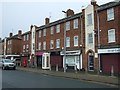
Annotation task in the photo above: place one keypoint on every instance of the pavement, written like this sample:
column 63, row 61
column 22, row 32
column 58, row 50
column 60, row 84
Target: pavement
column 110, row 80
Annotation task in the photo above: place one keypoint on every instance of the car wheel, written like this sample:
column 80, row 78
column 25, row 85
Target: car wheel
column 14, row 68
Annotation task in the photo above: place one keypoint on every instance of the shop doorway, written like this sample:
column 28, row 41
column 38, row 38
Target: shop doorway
column 39, row 61
column 91, row 61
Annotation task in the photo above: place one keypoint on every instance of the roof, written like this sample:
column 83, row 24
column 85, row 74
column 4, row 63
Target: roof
column 26, row 33
column 14, row 37
column 59, row 21
column 108, row 5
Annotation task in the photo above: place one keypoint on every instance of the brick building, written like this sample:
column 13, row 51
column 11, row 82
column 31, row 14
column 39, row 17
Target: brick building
column 92, row 40
column 13, row 46
column 26, row 47
column 50, row 39
column 109, row 26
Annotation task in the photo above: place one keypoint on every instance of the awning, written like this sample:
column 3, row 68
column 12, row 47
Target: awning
column 39, row 53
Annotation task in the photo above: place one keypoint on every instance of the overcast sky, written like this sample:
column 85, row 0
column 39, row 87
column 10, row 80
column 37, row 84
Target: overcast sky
column 20, row 14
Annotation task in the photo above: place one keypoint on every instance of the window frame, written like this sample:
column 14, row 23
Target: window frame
column 76, row 41
column 111, row 37
column 75, row 22
column 109, row 13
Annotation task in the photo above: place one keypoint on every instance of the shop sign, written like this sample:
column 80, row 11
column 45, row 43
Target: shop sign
column 77, row 52
column 112, row 50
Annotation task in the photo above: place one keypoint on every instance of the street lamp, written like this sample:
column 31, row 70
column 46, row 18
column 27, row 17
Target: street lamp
column 64, row 46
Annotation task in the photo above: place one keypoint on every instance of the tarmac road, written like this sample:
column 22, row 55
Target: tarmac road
column 21, row 79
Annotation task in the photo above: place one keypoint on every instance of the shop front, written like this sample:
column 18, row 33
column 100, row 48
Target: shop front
column 73, row 59
column 110, row 59
column 43, row 60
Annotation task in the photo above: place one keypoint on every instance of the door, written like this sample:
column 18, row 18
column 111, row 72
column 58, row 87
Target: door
column 39, row 61
column 91, row 62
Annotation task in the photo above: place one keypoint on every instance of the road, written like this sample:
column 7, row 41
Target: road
column 21, row 79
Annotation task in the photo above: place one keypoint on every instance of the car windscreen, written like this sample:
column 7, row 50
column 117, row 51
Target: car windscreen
column 7, row 61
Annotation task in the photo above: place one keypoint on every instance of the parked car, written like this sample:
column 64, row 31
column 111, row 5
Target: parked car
column 7, row 64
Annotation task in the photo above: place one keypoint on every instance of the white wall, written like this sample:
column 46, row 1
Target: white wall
column 89, row 28
column 33, row 40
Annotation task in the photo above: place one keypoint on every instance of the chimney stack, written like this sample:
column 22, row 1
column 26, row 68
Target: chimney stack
column 0, row 39
column 19, row 32
column 70, row 12
column 93, row 2
column 47, row 20
column 11, row 34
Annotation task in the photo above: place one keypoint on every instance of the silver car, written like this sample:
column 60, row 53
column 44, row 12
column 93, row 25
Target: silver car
column 7, row 64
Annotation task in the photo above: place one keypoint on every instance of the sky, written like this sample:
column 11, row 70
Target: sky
column 20, row 14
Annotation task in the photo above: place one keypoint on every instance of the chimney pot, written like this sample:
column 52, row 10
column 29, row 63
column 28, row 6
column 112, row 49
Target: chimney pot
column 47, row 20
column 11, row 34
column 93, row 2
column 70, row 12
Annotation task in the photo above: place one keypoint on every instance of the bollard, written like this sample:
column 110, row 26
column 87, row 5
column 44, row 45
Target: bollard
column 86, row 70
column 50, row 67
column 75, row 68
column 56, row 67
column 112, row 70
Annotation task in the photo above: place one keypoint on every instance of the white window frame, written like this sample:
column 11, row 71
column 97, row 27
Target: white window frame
column 51, row 44
column 75, row 41
column 39, row 45
column 89, row 19
column 57, row 43
column 27, row 47
column 67, row 25
column 90, row 38
column 23, row 48
column 75, row 23
column 24, row 37
column 110, row 14
column 40, row 33
column 111, row 36
column 44, row 45
column 44, row 32
column 58, row 28
column 67, row 41
column 52, row 30
column 27, row 36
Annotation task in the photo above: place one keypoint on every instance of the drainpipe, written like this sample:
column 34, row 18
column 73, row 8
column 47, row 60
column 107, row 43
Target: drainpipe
column 81, row 41
column 98, row 25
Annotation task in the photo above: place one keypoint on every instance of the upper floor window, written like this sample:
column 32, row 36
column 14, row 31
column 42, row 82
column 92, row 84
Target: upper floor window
column 24, row 37
column 23, row 48
column 58, row 28
column 111, row 35
column 39, row 46
column 27, row 47
column 90, row 38
column 110, row 14
column 44, row 45
column 40, row 33
column 75, row 40
column 89, row 19
column 67, row 25
column 57, row 43
column 52, row 30
column 33, row 46
column 68, row 42
column 51, row 44
column 44, row 32
column 27, row 37
column 75, row 23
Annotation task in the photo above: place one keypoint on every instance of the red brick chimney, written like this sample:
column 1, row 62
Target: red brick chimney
column 47, row 20
column 70, row 12
column 0, row 39
column 20, row 32
column 93, row 2
column 11, row 34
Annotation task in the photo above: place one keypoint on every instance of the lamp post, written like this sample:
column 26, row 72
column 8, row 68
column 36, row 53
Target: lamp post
column 64, row 45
